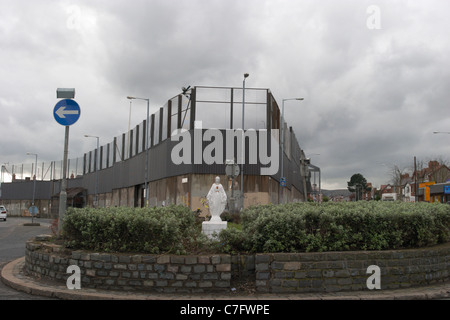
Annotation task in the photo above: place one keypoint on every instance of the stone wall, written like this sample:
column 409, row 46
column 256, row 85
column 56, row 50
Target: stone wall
column 268, row 273
column 157, row 273
column 348, row 271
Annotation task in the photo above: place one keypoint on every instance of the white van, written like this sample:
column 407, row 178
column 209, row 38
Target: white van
column 389, row 197
column 3, row 213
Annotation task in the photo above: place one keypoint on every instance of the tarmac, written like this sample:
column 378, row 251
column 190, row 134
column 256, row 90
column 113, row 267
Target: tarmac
column 12, row 275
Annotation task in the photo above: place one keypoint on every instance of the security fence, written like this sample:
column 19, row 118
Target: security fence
column 215, row 107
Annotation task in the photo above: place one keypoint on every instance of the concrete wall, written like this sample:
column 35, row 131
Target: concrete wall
column 189, row 190
column 19, row 208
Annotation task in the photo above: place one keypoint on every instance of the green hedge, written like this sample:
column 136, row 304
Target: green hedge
column 295, row 227
column 374, row 225
column 173, row 229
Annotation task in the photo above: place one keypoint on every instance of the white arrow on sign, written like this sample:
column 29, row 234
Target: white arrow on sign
column 62, row 112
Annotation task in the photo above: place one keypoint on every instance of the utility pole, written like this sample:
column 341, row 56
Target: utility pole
column 415, row 181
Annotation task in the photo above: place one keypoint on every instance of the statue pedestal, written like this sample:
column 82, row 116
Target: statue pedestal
column 209, row 227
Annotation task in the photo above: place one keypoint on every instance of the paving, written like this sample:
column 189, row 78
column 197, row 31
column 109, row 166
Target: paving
column 13, row 276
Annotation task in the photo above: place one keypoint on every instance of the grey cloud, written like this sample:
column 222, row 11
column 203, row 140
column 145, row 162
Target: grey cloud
column 370, row 95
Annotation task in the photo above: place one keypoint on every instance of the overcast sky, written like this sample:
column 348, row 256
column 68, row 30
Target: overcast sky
column 375, row 75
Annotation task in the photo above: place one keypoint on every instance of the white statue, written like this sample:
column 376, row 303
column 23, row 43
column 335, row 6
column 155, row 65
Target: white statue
column 217, row 200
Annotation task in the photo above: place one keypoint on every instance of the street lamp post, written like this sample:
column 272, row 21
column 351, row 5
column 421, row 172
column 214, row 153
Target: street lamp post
column 282, row 146
column 146, row 146
column 34, row 183
column 243, row 141
column 96, row 168
column 129, row 137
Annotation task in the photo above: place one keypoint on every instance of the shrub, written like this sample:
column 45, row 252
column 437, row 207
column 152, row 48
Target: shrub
column 298, row 227
column 294, row 227
column 173, row 229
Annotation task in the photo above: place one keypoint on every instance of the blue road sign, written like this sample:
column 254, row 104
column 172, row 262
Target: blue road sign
column 283, row 182
column 66, row 112
column 33, row 210
column 447, row 189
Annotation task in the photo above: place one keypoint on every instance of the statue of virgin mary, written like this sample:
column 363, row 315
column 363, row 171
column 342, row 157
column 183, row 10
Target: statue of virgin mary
column 217, row 200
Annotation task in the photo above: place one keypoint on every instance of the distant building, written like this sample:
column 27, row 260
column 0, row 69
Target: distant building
column 430, row 182
column 339, row 195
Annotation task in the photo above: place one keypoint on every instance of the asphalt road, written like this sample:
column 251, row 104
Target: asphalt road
column 13, row 235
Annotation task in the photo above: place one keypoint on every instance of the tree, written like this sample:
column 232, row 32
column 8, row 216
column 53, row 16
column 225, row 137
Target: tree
column 358, row 184
column 398, row 179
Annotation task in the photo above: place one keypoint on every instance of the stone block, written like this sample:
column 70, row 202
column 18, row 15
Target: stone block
column 204, row 260
column 186, row 269
column 199, row 269
column 223, row 267
column 119, row 266
column 264, row 266
column 191, row 260
column 222, row 284
column 181, row 276
column 137, row 258
column 148, row 259
column 292, row 266
column 173, row 269
column 124, row 259
column 211, row 276
column 262, row 258
column 209, row 228
column 225, row 276
column 164, row 259
column 177, row 259
column 215, row 259
column 205, row 284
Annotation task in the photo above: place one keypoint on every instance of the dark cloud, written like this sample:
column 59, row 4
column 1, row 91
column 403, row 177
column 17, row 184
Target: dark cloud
column 371, row 96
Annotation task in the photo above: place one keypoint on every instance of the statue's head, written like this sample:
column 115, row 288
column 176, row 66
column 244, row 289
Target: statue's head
column 217, row 180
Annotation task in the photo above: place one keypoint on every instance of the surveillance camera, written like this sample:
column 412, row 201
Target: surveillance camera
column 185, row 89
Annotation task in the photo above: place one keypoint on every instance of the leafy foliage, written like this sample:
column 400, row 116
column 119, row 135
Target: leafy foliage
column 294, row 227
column 363, row 225
column 173, row 229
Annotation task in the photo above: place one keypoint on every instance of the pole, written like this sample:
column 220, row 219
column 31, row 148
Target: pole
column 97, row 166
column 416, row 192
column 320, row 181
column 243, row 145
column 282, row 152
column 34, row 187
column 129, row 137
column 146, row 154
column 63, row 193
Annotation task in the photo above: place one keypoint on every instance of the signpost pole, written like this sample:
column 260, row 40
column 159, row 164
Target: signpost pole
column 63, row 193
column 66, row 113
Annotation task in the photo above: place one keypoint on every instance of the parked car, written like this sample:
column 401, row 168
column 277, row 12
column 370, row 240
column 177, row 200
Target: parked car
column 3, row 213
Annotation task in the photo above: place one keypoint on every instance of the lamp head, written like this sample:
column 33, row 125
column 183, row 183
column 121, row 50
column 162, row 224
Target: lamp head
column 246, row 75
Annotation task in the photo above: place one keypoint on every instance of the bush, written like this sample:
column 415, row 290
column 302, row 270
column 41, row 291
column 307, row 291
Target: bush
column 172, row 229
column 298, row 227
column 295, row 227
